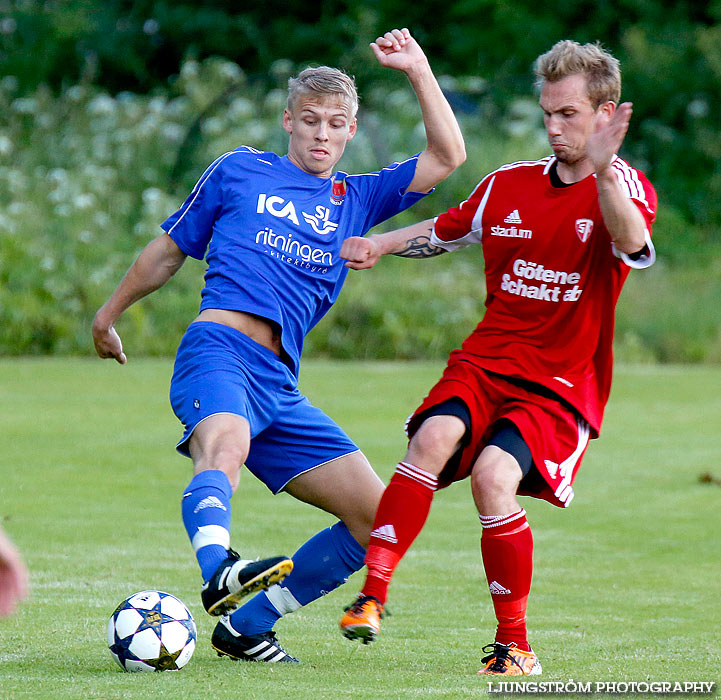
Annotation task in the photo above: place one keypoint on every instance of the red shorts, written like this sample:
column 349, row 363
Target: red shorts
column 555, row 433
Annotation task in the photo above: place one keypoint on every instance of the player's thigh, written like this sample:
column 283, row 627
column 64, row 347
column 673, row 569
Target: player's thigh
column 346, row 487
column 222, row 379
column 300, row 439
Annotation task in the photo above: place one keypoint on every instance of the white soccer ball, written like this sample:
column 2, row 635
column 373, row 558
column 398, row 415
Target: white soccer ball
column 151, row 631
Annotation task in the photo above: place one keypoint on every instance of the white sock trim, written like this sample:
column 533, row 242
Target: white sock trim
column 417, row 474
column 210, row 534
column 497, row 520
column 282, row 599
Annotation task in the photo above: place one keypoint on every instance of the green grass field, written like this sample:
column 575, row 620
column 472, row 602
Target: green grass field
column 627, row 584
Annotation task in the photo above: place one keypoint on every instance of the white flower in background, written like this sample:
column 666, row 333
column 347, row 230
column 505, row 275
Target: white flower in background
column 8, row 26
column 241, row 107
column 157, row 105
column 152, row 196
column 58, row 176
column 213, row 126
column 24, row 105
column 9, row 83
column 75, row 93
column 173, row 132
column 85, row 200
column 231, row 71
column 189, row 69
column 101, row 105
column 7, row 224
column 151, row 26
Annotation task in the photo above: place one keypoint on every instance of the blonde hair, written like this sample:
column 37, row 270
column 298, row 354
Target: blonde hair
column 602, row 70
column 324, row 81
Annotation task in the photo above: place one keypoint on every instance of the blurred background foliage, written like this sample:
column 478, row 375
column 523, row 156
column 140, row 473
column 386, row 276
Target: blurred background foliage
column 110, row 110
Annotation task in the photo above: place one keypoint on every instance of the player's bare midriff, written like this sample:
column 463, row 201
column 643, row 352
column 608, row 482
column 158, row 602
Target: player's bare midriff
column 262, row 332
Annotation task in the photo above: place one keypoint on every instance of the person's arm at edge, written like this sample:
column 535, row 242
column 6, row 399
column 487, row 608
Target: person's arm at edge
column 445, row 149
column 412, row 241
column 155, row 265
column 13, row 576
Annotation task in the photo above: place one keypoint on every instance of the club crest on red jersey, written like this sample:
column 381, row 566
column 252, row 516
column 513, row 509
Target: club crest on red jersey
column 584, row 228
column 339, row 188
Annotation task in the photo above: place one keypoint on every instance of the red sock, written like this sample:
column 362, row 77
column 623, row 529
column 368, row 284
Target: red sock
column 507, row 547
column 402, row 512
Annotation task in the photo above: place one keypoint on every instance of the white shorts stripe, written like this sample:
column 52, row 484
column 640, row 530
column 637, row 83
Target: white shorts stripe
column 564, row 490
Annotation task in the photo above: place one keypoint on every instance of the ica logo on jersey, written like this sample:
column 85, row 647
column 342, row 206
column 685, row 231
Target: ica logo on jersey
column 277, row 206
column 285, row 209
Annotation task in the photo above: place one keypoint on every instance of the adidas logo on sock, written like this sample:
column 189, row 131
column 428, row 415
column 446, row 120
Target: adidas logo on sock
column 496, row 589
column 385, row 532
column 209, row 502
column 513, row 218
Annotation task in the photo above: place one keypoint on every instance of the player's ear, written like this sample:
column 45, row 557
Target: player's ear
column 352, row 128
column 607, row 108
column 288, row 121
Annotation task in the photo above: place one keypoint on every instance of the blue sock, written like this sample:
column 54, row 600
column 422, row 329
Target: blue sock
column 206, row 516
column 322, row 564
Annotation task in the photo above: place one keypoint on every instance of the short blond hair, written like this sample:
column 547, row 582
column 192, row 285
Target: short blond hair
column 602, row 70
column 324, row 81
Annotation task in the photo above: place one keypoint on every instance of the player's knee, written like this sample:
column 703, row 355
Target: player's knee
column 437, row 439
column 495, row 474
column 228, row 455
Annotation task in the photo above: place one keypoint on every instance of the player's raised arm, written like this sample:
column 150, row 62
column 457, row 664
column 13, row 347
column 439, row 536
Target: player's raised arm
column 155, row 265
column 445, row 149
column 621, row 216
column 409, row 242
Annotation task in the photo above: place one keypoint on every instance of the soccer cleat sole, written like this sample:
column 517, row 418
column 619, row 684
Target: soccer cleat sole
column 262, row 647
column 265, row 579
column 362, row 632
column 222, row 653
column 233, row 657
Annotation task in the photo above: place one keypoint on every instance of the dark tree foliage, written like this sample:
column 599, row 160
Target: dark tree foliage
column 670, row 51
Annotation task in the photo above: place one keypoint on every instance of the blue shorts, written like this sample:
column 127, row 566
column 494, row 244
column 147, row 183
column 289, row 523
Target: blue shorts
column 220, row 370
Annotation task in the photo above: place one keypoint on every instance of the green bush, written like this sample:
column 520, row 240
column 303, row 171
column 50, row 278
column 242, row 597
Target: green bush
column 86, row 178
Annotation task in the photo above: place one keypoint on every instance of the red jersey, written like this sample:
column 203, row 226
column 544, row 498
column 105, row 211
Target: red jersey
column 553, row 277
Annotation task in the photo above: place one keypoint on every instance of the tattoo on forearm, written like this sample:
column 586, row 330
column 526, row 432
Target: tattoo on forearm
column 420, row 247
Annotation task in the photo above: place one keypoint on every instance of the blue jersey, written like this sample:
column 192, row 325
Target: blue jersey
column 273, row 234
